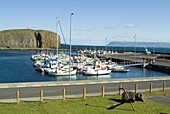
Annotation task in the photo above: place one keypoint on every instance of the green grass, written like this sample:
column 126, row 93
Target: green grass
column 90, row 105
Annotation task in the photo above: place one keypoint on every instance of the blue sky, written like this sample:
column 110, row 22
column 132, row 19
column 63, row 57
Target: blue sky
column 93, row 21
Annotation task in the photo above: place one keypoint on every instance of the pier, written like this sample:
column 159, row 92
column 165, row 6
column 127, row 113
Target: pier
column 155, row 62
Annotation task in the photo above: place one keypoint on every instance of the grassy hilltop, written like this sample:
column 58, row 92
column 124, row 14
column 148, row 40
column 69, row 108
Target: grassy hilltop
column 28, row 38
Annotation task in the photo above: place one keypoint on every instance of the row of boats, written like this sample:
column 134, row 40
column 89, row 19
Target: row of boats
column 60, row 65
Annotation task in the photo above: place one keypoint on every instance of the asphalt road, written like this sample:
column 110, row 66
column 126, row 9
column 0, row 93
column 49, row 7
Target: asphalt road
column 161, row 99
column 94, row 88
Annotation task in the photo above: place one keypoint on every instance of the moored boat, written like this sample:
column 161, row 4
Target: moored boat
column 118, row 68
column 97, row 69
column 58, row 72
column 97, row 72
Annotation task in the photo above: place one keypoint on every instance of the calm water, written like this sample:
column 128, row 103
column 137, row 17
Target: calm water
column 16, row 66
column 121, row 48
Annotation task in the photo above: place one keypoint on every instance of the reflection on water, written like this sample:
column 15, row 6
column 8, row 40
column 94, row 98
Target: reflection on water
column 97, row 77
column 65, row 78
column 16, row 66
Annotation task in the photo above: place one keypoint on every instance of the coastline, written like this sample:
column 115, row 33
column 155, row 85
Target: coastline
column 29, row 49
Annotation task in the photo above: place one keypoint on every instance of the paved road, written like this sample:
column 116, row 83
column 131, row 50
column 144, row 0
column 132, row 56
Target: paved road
column 162, row 99
column 75, row 88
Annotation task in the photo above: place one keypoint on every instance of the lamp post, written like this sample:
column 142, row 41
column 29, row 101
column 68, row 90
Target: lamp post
column 106, row 42
column 70, row 48
column 135, row 47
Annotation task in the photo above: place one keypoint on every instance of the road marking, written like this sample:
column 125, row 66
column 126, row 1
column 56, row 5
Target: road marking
column 116, row 81
column 86, row 83
column 155, row 79
column 36, row 85
column 136, row 80
column 4, row 86
column 79, row 83
column 104, row 82
column 92, row 83
column 21, row 86
column 126, row 81
column 65, row 84
column 51, row 84
column 146, row 80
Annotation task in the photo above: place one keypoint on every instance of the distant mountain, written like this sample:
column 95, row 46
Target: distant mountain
column 139, row 44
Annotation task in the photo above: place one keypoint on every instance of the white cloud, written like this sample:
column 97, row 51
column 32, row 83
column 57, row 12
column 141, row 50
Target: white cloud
column 87, row 41
column 121, row 35
column 112, row 27
column 82, row 30
column 130, row 25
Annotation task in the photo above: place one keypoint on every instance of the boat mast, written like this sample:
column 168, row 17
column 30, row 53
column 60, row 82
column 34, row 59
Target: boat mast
column 70, row 48
column 57, row 39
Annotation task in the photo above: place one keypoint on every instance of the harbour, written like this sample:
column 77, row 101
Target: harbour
column 16, row 67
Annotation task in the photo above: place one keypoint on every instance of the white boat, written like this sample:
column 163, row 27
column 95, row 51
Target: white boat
column 59, row 72
column 66, row 70
column 48, row 65
column 146, row 51
column 98, row 69
column 118, row 68
column 96, row 72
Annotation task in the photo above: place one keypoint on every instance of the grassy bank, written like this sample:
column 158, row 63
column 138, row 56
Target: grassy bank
column 90, row 105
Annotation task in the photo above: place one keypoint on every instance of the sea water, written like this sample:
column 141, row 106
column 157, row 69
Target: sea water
column 16, row 66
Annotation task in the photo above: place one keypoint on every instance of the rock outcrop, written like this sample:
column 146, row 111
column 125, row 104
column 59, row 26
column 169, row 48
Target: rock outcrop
column 27, row 38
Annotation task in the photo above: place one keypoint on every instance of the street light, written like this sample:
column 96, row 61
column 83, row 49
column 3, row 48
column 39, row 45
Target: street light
column 70, row 48
column 106, row 42
column 135, row 47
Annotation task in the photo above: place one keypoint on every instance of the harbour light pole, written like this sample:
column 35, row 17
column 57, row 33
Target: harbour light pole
column 70, row 48
column 135, row 47
column 106, row 42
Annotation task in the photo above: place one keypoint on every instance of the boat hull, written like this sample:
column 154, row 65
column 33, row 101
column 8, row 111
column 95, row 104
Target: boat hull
column 64, row 73
column 97, row 72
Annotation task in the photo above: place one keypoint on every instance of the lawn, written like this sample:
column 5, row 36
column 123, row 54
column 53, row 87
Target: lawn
column 90, row 105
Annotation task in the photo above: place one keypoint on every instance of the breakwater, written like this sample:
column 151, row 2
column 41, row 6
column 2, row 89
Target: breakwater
column 160, row 64
column 160, row 68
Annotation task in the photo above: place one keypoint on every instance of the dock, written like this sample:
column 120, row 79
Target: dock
column 149, row 61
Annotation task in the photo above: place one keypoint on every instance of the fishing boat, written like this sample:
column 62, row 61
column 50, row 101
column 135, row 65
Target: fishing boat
column 97, row 69
column 65, row 72
column 62, row 71
column 90, row 72
column 119, row 68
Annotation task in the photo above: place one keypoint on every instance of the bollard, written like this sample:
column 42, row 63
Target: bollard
column 64, row 93
column 84, row 92
column 17, row 97
column 136, row 88
column 164, row 88
column 102, row 91
column 120, row 90
column 150, row 88
column 41, row 95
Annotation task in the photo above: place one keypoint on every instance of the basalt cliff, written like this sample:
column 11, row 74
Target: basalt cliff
column 28, row 38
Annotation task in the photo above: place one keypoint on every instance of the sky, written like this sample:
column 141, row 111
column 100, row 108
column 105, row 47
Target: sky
column 95, row 22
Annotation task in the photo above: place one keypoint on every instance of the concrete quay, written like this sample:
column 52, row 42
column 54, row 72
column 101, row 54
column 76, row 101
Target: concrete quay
column 160, row 64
